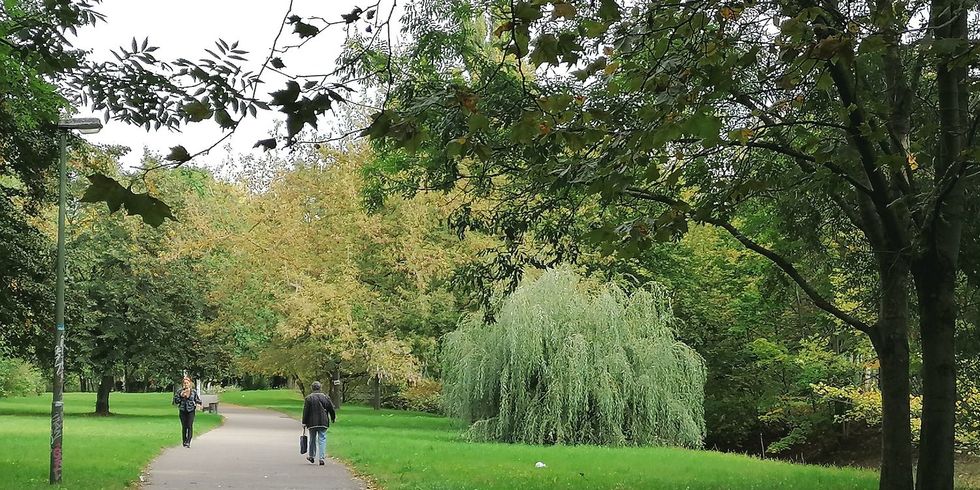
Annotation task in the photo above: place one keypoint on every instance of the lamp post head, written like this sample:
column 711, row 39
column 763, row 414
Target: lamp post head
column 84, row 125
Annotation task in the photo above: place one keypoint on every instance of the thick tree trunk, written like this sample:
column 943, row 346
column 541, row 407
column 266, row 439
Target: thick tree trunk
column 936, row 290
column 892, row 346
column 376, row 385
column 335, row 389
column 936, row 443
column 102, row 398
column 935, row 272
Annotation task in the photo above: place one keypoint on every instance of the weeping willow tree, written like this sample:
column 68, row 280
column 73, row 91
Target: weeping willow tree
column 570, row 364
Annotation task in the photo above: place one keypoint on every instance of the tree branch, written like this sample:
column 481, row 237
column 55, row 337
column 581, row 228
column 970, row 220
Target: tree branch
column 788, row 268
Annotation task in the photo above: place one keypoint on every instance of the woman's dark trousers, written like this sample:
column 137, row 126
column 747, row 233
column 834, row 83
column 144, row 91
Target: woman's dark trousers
column 187, row 425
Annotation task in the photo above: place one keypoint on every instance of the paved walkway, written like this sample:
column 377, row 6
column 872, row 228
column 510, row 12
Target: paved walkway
column 253, row 449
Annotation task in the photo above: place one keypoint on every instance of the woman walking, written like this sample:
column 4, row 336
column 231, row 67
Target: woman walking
column 187, row 401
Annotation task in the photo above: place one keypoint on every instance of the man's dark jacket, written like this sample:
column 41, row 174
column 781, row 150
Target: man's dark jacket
column 318, row 410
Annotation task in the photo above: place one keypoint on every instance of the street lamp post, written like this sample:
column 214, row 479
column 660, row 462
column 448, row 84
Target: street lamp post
column 84, row 126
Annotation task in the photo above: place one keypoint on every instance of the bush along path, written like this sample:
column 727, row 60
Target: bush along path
column 253, row 449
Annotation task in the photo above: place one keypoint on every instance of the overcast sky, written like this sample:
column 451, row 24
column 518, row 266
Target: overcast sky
column 183, row 28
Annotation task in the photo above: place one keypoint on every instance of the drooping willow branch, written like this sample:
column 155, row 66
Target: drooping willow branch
column 568, row 364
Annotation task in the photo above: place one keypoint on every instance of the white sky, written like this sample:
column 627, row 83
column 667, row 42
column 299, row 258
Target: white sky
column 183, row 28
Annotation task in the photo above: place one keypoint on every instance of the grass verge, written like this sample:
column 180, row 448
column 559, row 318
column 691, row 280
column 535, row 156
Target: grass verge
column 99, row 452
column 407, row 450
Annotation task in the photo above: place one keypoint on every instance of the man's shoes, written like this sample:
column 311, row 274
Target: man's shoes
column 187, row 445
column 321, row 462
column 310, row 460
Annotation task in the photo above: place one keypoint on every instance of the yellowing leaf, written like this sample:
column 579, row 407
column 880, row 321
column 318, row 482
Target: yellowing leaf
column 563, row 10
column 731, row 13
column 502, row 28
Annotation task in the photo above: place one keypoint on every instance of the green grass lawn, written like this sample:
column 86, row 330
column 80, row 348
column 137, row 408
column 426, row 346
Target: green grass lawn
column 99, row 452
column 405, row 450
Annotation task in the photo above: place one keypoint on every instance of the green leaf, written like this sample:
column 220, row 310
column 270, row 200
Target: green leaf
column 287, row 95
column 178, row 154
column 527, row 12
column 527, row 128
column 266, row 144
column 305, row 30
column 593, row 29
column 353, row 16
column 380, row 125
column 152, row 210
column 104, row 189
column 294, row 124
column 522, row 40
column 223, row 119
column 478, row 122
column 704, row 126
column 107, row 190
column 197, row 111
column 545, row 50
column 456, row 147
column 872, row 44
column 609, row 11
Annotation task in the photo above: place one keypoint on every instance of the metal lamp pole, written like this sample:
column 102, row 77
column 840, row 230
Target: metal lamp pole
column 85, row 126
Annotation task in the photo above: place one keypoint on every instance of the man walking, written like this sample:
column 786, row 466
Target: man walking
column 318, row 412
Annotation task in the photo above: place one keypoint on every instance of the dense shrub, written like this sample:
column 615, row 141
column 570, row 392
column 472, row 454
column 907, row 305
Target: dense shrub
column 19, row 378
column 569, row 364
column 425, row 395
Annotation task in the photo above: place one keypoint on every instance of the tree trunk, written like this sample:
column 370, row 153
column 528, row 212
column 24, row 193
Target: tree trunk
column 936, row 291
column 102, row 399
column 335, row 389
column 892, row 346
column 935, row 272
column 302, row 385
column 936, row 443
column 376, row 385
column 128, row 385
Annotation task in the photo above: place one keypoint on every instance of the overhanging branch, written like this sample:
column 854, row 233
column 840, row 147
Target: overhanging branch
column 785, row 265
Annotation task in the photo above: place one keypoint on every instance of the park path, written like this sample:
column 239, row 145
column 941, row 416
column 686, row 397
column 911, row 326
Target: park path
column 252, row 449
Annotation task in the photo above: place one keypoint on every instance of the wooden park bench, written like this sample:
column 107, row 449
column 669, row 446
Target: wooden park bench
column 210, row 403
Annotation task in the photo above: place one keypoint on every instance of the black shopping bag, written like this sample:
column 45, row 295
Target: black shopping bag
column 304, row 442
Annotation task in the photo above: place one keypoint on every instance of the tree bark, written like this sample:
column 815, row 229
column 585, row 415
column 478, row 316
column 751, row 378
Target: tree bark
column 892, row 346
column 935, row 272
column 102, row 398
column 302, row 385
column 129, row 384
column 937, row 310
column 935, row 281
column 376, row 399
column 335, row 389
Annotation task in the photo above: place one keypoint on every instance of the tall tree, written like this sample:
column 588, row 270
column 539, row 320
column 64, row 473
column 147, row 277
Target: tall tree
column 141, row 304
column 653, row 126
column 313, row 284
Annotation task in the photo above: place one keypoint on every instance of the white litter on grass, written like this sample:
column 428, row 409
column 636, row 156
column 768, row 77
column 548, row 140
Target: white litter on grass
column 540, row 465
